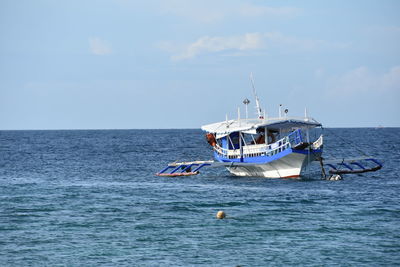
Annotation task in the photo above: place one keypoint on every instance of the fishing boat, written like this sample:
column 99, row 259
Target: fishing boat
column 279, row 147
column 269, row 147
column 273, row 147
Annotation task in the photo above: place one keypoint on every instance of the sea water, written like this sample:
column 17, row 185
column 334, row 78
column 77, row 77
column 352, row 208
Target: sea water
column 90, row 198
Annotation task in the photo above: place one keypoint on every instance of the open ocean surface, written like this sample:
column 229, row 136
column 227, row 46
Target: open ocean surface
column 90, row 198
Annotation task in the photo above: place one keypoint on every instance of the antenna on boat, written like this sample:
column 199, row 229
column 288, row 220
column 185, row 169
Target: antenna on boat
column 259, row 111
column 305, row 114
column 239, row 115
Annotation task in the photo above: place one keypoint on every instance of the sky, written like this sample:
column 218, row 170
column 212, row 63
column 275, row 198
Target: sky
column 126, row 64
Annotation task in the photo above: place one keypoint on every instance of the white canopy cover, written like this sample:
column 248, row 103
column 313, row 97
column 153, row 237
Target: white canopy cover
column 250, row 126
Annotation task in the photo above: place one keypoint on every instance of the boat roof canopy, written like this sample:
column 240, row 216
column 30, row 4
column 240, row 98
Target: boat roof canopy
column 251, row 126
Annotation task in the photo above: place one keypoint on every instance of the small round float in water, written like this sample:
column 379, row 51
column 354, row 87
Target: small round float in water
column 221, row 214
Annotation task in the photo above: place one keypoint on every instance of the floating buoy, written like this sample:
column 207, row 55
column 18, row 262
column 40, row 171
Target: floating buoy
column 221, row 214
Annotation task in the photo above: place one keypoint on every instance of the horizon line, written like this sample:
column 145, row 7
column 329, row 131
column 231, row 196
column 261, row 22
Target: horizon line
column 128, row 129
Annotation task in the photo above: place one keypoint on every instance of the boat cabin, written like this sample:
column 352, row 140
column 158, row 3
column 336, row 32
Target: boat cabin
column 252, row 140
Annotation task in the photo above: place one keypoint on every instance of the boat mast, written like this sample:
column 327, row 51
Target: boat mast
column 259, row 111
column 308, row 130
column 305, row 114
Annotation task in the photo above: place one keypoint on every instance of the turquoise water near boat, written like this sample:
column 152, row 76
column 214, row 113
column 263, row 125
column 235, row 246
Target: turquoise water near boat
column 90, row 198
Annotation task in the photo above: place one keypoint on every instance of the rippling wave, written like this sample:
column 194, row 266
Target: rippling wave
column 89, row 198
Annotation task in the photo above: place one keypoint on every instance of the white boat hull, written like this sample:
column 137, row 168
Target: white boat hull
column 289, row 166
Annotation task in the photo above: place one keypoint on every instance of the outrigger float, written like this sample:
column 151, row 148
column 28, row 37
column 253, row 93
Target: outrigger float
column 353, row 166
column 280, row 147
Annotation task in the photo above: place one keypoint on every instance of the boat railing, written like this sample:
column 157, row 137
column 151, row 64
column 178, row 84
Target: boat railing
column 255, row 150
column 318, row 143
column 295, row 137
column 226, row 153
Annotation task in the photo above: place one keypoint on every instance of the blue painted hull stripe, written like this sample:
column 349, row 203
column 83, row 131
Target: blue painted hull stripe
column 266, row 159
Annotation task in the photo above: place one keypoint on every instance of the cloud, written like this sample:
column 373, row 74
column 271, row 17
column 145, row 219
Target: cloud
column 248, row 41
column 245, row 43
column 362, row 80
column 318, row 73
column 391, row 80
column 194, row 10
column 384, row 29
column 294, row 43
column 254, row 11
column 99, row 47
column 212, row 11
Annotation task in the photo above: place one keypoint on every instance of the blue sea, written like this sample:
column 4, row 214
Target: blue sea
column 90, row 198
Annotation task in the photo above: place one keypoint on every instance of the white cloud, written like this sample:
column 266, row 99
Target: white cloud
column 245, row 43
column 277, row 38
column 208, row 11
column 391, row 80
column 194, row 10
column 254, row 11
column 318, row 73
column 384, row 29
column 99, row 47
column 362, row 80
column 248, row 41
